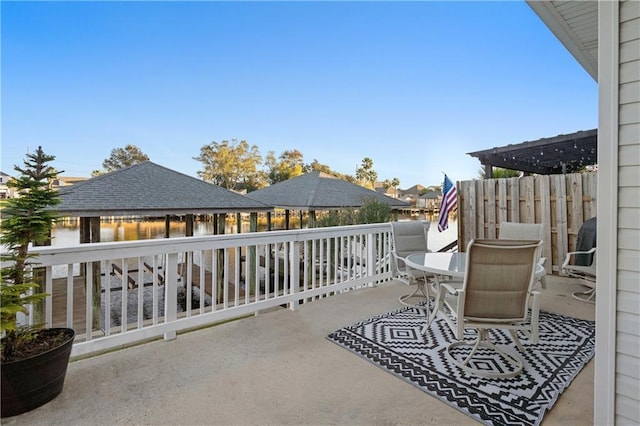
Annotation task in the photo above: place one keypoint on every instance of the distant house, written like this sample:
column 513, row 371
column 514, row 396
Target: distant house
column 414, row 190
column 411, row 195
column 430, row 200
column 5, row 191
column 63, row 181
column 390, row 192
column 59, row 182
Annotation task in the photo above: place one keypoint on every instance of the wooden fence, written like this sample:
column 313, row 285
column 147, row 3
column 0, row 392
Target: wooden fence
column 560, row 202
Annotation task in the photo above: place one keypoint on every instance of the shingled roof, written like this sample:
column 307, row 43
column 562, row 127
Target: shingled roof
column 147, row 189
column 319, row 191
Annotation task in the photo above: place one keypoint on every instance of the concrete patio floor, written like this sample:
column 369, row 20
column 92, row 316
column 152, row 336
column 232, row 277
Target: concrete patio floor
column 276, row 368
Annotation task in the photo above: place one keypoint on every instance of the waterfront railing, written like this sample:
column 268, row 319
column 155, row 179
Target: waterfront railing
column 116, row 294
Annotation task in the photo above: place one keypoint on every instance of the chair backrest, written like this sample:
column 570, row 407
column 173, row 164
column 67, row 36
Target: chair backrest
column 521, row 231
column 409, row 236
column 498, row 279
column 585, row 241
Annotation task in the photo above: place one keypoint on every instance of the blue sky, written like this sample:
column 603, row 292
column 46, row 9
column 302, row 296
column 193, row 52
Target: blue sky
column 415, row 86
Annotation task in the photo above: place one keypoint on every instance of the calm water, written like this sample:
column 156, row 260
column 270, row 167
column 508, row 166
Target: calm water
column 68, row 233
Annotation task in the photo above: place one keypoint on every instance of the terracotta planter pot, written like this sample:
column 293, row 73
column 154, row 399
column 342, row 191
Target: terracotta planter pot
column 32, row 382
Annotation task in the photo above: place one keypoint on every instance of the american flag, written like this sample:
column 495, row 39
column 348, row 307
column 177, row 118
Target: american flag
column 449, row 201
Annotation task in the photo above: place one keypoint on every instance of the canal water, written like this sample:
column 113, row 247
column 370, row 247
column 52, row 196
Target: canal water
column 67, row 233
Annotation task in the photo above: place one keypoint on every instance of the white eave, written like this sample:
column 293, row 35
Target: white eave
column 575, row 24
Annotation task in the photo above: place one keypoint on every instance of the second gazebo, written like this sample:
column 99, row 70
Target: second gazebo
column 317, row 191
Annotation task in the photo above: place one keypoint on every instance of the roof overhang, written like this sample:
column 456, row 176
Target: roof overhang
column 575, row 24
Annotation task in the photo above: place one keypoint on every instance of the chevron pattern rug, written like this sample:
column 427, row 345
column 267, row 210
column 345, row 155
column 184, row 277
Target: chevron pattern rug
column 393, row 342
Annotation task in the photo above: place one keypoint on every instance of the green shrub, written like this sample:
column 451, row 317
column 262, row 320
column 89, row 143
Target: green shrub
column 26, row 220
column 372, row 211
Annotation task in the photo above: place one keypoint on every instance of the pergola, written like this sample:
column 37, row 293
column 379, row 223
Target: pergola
column 546, row 156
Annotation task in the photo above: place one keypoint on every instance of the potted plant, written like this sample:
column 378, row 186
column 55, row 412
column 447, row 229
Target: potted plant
column 33, row 359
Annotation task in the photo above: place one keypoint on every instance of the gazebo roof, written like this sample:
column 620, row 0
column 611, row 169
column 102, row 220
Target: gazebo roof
column 147, row 189
column 554, row 155
column 319, row 191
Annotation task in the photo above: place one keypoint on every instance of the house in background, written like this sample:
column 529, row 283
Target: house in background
column 604, row 37
column 430, row 200
column 5, row 191
column 67, row 181
column 61, row 181
column 389, row 192
column 411, row 195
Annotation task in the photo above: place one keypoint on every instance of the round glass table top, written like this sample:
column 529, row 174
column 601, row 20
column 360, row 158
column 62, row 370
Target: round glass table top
column 439, row 263
column 451, row 264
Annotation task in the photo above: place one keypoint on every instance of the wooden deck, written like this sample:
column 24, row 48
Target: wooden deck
column 207, row 285
column 203, row 282
column 59, row 297
column 79, row 314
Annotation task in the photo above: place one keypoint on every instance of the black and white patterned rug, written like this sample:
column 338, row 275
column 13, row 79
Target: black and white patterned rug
column 393, row 342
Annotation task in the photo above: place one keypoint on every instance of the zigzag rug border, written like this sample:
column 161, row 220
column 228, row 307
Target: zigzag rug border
column 493, row 410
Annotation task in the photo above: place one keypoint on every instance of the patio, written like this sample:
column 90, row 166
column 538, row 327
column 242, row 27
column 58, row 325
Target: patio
column 276, row 368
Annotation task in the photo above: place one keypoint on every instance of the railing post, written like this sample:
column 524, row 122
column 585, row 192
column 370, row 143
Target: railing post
column 252, row 257
column 294, row 268
column 371, row 257
column 171, row 293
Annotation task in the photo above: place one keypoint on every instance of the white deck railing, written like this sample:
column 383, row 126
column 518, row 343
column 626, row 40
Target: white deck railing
column 230, row 276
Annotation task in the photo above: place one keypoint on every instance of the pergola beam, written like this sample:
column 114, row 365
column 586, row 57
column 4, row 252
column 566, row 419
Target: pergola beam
column 544, row 156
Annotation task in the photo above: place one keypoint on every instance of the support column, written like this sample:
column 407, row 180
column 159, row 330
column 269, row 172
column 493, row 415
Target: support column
column 188, row 232
column 488, row 171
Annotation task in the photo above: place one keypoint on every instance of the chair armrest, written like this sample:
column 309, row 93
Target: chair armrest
column 450, row 289
column 397, row 259
column 570, row 254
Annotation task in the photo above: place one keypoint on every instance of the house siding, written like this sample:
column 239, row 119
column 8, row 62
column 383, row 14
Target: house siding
column 627, row 366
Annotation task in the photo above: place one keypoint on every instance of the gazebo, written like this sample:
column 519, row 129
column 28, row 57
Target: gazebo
column 150, row 190
column 546, row 156
column 319, row 191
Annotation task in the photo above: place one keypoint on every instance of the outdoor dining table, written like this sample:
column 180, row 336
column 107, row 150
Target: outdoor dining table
column 450, row 265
